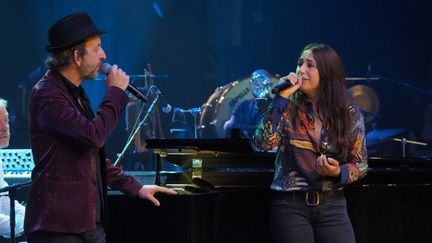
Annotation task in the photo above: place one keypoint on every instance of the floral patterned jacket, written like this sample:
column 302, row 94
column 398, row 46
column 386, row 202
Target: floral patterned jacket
column 298, row 150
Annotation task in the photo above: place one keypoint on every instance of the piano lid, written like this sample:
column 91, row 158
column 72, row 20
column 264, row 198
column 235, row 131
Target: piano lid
column 225, row 145
column 239, row 153
column 211, row 153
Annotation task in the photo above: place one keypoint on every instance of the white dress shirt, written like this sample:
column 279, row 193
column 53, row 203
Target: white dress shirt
column 5, row 210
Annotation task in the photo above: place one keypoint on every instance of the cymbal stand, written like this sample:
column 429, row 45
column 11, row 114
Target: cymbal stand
column 404, row 141
column 403, row 84
column 195, row 112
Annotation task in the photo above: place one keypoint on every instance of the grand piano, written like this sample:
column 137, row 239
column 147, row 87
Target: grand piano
column 224, row 196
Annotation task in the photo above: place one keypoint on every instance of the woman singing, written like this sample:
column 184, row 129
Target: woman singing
column 321, row 143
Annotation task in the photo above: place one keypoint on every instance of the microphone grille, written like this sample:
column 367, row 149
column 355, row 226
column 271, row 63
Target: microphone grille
column 167, row 109
column 105, row 68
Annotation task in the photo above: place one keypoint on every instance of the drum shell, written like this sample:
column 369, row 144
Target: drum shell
column 219, row 106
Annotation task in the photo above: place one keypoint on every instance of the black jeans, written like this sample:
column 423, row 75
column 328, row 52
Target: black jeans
column 293, row 221
column 96, row 236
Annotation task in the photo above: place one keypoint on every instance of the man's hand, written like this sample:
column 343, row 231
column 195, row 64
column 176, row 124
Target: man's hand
column 148, row 191
column 117, row 77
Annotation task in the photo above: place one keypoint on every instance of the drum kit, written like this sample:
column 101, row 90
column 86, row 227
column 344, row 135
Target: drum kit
column 368, row 102
column 218, row 108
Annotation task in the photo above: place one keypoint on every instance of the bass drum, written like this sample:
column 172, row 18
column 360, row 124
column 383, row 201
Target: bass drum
column 218, row 108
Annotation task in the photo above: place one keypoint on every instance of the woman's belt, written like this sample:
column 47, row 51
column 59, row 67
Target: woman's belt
column 312, row 198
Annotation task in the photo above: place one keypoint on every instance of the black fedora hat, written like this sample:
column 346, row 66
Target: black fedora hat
column 71, row 30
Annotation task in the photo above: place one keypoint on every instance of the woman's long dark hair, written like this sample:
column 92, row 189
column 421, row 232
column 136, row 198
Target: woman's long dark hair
column 332, row 98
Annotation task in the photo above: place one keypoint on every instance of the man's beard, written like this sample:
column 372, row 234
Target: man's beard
column 88, row 72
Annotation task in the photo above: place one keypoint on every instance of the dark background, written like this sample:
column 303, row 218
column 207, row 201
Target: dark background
column 203, row 44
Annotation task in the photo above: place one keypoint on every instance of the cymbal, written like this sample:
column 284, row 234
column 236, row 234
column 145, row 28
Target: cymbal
column 366, row 98
column 378, row 136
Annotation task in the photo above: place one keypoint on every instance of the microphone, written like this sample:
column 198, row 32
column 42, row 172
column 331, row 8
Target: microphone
column 278, row 88
column 281, row 87
column 105, row 69
column 166, row 108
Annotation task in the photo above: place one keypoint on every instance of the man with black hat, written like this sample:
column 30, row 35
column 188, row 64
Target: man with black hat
column 67, row 198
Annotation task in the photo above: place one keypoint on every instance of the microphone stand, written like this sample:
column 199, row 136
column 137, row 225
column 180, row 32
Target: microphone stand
column 136, row 129
column 194, row 111
column 12, row 191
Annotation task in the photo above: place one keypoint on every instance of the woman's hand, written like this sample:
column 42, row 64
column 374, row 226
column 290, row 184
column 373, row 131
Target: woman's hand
column 327, row 166
column 295, row 80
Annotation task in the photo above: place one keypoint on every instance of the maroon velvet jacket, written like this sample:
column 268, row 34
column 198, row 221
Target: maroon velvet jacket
column 62, row 196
